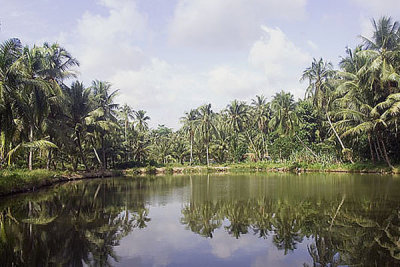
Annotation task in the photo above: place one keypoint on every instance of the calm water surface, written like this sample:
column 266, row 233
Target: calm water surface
column 211, row 220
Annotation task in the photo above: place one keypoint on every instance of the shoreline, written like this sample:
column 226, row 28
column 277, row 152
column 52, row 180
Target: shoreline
column 43, row 178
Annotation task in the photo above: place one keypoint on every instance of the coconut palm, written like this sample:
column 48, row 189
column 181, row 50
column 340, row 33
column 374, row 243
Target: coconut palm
column 141, row 120
column 189, row 127
column 205, row 126
column 126, row 113
column 317, row 75
column 284, row 118
column 79, row 107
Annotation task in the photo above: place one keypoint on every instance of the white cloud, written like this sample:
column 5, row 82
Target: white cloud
column 281, row 60
column 313, row 45
column 378, row 8
column 106, row 44
column 230, row 83
column 112, row 47
column 221, row 23
column 163, row 89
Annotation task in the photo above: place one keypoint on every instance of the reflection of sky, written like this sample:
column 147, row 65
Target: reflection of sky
column 166, row 242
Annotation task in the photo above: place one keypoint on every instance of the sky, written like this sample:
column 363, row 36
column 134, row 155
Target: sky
column 169, row 56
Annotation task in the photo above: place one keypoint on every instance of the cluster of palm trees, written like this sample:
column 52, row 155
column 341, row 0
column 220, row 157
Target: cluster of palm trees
column 347, row 114
column 44, row 122
column 352, row 112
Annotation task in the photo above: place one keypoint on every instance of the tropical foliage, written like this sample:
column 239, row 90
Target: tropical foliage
column 348, row 114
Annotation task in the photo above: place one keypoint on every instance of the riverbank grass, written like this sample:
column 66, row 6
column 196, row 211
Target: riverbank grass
column 20, row 180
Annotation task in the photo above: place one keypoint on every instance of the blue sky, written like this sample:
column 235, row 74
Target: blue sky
column 167, row 56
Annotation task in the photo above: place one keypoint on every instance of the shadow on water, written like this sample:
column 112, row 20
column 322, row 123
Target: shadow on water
column 340, row 219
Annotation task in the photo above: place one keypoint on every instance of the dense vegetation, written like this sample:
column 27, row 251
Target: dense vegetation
column 349, row 114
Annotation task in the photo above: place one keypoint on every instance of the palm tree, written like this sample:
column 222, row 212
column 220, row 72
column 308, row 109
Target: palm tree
column 285, row 119
column 10, row 51
column 189, row 127
column 126, row 113
column 205, row 126
column 103, row 118
column 79, row 107
column 386, row 35
column 141, row 120
column 317, row 76
column 237, row 115
column 35, row 94
column 262, row 117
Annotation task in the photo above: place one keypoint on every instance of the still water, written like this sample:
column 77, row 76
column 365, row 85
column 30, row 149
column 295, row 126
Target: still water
column 206, row 220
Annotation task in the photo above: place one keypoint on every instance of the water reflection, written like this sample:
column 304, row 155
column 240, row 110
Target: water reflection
column 278, row 219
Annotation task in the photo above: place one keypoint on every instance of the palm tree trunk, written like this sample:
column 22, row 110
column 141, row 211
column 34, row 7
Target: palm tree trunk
column 103, row 151
column 386, row 155
column 49, row 156
column 309, row 149
column 191, row 149
column 376, row 150
column 95, row 152
column 78, row 138
column 30, row 149
column 208, row 160
column 337, row 136
column 371, row 149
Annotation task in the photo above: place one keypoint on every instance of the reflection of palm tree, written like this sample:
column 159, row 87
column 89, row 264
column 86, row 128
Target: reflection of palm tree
column 238, row 216
column 287, row 227
column 201, row 219
column 142, row 218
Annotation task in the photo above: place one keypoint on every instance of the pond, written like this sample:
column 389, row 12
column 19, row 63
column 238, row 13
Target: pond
column 206, row 220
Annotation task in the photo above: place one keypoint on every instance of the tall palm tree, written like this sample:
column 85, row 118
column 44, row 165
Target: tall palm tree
column 141, row 120
column 79, row 107
column 35, row 94
column 103, row 118
column 126, row 113
column 317, row 75
column 284, row 118
column 262, row 117
column 386, row 35
column 10, row 51
column 237, row 114
column 205, row 126
column 189, row 127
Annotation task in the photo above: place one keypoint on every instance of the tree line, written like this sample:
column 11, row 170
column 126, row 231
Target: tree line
column 347, row 114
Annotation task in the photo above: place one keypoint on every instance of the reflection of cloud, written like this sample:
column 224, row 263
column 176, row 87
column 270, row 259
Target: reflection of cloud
column 158, row 242
column 275, row 257
column 224, row 245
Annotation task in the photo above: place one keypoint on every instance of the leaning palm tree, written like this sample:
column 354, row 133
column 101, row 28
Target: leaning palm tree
column 189, row 127
column 205, row 126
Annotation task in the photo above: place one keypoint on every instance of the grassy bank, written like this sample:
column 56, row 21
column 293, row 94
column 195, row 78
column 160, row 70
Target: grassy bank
column 267, row 167
column 359, row 167
column 17, row 181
